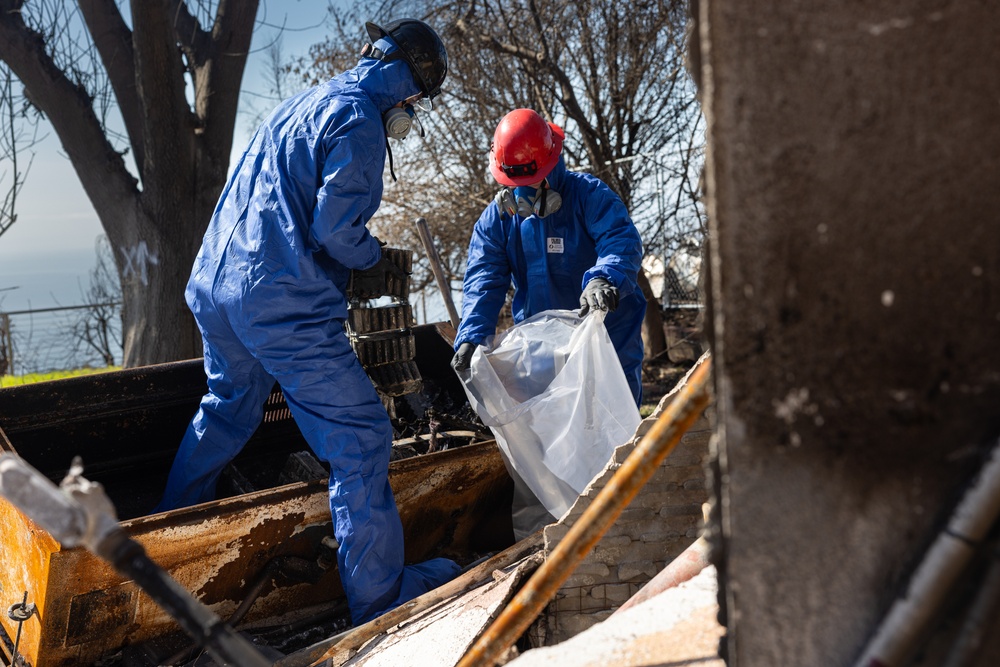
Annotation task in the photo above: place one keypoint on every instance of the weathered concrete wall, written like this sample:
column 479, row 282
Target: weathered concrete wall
column 661, row 521
column 854, row 195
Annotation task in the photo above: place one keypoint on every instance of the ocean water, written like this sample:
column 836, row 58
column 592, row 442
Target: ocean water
column 50, row 280
column 46, row 340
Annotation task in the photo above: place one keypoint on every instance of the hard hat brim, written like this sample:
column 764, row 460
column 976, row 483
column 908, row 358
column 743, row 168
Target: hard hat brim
column 375, row 32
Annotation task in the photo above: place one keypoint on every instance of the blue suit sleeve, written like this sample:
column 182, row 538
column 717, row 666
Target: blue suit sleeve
column 618, row 244
column 487, row 279
column 348, row 195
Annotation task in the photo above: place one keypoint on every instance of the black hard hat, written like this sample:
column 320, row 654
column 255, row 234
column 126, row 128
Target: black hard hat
column 422, row 49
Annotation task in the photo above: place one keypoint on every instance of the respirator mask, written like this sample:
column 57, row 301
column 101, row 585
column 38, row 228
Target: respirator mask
column 399, row 120
column 526, row 201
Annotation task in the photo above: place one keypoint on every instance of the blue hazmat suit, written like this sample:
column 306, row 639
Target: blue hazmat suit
column 268, row 293
column 550, row 260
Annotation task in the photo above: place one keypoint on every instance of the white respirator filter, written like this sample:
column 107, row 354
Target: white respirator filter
column 398, row 122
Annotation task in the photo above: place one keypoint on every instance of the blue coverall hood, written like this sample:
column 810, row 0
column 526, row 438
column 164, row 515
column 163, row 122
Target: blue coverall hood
column 557, row 176
column 386, row 83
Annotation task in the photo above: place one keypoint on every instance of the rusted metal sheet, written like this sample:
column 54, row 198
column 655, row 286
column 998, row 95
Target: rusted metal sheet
column 459, row 503
column 87, row 611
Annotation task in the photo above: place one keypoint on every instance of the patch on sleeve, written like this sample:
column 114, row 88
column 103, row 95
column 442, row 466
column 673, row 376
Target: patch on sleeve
column 554, row 244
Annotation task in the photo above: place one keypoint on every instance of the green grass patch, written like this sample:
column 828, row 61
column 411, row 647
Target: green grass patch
column 31, row 378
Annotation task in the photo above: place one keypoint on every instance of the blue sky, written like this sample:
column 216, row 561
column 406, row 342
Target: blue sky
column 47, row 254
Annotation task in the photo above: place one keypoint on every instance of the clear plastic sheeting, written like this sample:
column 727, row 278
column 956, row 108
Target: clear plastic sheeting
column 553, row 392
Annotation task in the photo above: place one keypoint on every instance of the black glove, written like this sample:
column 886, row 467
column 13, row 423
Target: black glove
column 370, row 283
column 599, row 294
column 460, row 362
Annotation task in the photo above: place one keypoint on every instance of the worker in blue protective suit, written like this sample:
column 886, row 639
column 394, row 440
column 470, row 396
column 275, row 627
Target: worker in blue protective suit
column 563, row 238
column 268, row 292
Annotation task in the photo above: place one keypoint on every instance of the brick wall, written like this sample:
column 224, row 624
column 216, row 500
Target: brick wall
column 660, row 522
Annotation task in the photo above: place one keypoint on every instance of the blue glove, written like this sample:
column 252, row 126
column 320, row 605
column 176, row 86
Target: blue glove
column 599, row 294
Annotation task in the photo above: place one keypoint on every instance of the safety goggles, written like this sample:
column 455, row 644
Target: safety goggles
column 422, row 103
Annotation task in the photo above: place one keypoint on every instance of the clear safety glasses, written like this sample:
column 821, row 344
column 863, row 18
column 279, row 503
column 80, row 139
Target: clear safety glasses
column 422, row 104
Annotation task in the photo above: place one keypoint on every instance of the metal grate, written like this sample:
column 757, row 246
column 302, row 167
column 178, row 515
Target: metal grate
column 276, row 408
column 381, row 335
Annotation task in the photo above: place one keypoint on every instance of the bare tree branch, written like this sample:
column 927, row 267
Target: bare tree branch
column 216, row 60
column 160, row 80
column 97, row 329
column 191, row 38
column 218, row 88
column 113, row 40
column 69, row 108
column 13, row 141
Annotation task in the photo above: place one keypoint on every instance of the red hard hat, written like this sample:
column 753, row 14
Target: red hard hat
column 525, row 148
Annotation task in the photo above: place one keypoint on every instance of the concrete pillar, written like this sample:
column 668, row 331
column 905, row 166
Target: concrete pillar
column 853, row 186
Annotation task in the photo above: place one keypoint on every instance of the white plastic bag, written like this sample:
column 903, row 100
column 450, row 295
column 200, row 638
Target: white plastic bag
column 554, row 394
